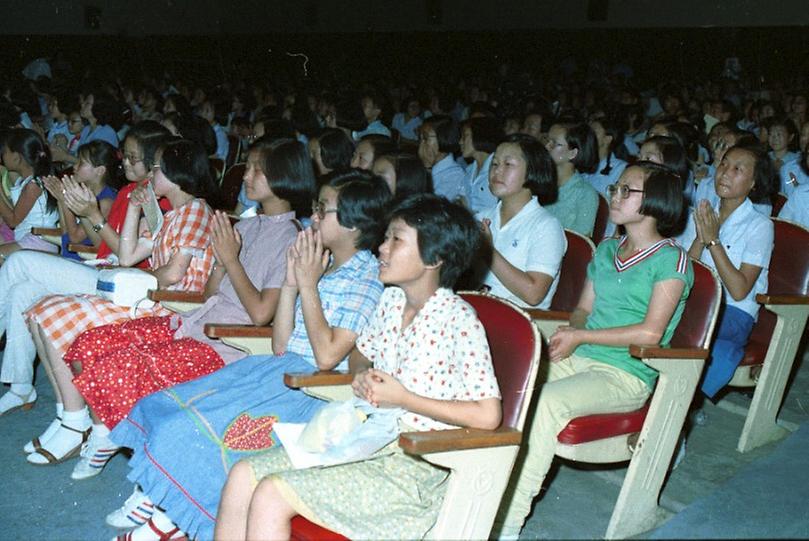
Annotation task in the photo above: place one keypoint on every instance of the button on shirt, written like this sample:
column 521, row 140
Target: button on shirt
column 448, row 178
column 476, row 183
column 532, row 241
column 747, row 237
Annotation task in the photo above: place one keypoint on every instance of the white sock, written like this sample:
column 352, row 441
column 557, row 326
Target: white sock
column 100, row 430
column 22, row 389
column 64, row 439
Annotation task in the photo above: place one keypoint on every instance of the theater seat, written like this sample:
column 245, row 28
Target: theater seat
column 572, row 277
column 49, row 234
column 480, row 461
column 647, row 437
column 776, row 335
column 602, row 219
column 778, row 202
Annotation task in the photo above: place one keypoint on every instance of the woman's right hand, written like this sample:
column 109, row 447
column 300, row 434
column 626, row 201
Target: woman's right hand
column 79, row 198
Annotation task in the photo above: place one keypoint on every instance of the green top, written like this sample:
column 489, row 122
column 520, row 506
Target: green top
column 576, row 206
column 623, row 289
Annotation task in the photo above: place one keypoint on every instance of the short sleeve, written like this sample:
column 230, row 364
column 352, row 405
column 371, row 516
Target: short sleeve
column 759, row 243
column 672, row 263
column 357, row 305
column 192, row 229
column 472, row 355
column 369, row 340
column 547, row 250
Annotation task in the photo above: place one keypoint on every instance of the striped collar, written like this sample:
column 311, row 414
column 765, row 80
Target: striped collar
column 621, row 265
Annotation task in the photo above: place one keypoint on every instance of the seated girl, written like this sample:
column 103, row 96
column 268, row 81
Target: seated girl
column 329, row 294
column 29, row 205
column 737, row 241
column 635, row 293
column 97, row 174
column 438, row 140
column 55, row 275
column 527, row 242
column 574, row 150
column 368, row 148
column 181, row 258
column 123, row 362
column 404, row 173
column 428, row 245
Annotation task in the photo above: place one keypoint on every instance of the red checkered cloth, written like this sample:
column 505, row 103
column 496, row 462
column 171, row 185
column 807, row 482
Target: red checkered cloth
column 64, row 317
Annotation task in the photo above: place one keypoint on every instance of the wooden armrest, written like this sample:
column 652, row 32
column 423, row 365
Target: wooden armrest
column 656, row 352
column 548, row 315
column 297, row 380
column 437, row 441
column 222, row 330
column 159, row 295
column 781, row 299
column 82, row 248
column 54, row 231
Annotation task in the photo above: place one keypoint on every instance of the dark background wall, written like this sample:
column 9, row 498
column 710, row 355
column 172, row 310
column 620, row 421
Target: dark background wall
column 169, row 17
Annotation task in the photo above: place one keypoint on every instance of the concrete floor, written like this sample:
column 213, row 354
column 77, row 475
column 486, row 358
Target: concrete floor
column 44, row 503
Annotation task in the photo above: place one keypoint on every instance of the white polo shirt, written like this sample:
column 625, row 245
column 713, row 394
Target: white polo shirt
column 532, row 241
column 747, row 236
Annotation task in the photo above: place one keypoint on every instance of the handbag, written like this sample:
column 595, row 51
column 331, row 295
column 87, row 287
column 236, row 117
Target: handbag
column 126, row 287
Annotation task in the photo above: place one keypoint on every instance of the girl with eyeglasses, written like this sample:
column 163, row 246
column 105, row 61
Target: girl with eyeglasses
column 635, row 292
column 57, row 275
column 328, row 296
column 181, row 258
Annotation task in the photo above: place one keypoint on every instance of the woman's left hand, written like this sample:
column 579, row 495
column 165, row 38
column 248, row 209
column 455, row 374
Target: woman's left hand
column 226, row 241
column 383, row 390
column 707, row 222
column 139, row 196
column 311, row 260
column 563, row 342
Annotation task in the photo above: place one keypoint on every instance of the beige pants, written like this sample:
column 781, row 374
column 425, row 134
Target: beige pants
column 575, row 387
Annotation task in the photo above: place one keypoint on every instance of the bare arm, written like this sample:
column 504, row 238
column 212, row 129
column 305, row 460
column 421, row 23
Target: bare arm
column 13, row 216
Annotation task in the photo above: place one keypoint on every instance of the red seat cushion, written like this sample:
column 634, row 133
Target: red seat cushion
column 601, row 426
column 303, row 530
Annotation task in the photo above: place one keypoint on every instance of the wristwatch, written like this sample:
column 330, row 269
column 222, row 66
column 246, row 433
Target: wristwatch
column 714, row 242
column 99, row 226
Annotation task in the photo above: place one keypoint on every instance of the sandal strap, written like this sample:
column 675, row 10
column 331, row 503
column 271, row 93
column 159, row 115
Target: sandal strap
column 84, row 433
column 48, row 455
column 22, row 397
column 163, row 536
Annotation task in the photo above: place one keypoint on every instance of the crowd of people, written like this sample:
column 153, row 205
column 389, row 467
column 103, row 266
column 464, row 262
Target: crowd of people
column 361, row 212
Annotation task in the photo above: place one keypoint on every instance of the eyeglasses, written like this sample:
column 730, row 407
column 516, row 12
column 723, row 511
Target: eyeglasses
column 623, row 189
column 132, row 159
column 319, row 208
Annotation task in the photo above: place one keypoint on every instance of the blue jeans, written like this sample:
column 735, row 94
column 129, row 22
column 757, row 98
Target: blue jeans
column 728, row 349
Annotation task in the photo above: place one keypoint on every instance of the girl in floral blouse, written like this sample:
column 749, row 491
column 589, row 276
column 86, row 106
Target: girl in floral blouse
column 430, row 357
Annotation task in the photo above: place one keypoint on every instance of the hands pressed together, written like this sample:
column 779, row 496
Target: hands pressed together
column 307, row 260
column 379, row 388
column 73, row 193
column 226, row 241
column 563, row 342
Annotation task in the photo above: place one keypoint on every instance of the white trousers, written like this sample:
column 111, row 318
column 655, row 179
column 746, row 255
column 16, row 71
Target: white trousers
column 25, row 277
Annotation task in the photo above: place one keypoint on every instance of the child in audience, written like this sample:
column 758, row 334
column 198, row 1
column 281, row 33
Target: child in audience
column 407, row 123
column 438, row 140
column 404, row 174
column 372, row 111
column 329, row 294
column 610, row 140
column 56, row 275
column 368, row 148
column 123, row 362
column 736, row 241
column 574, row 150
column 97, row 173
column 331, row 151
column 181, row 257
column 635, row 293
column 479, row 139
column 428, row 245
column 781, row 138
column 29, row 205
column 527, row 242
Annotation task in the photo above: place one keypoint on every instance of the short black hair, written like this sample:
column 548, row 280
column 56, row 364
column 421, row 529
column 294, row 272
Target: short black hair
column 581, row 137
column 447, row 233
column 486, row 133
column 382, row 143
column 540, row 171
column 288, row 169
column 150, row 135
column 674, row 156
column 185, row 163
column 336, row 148
column 362, row 202
column 411, row 176
column 662, row 197
column 446, row 131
